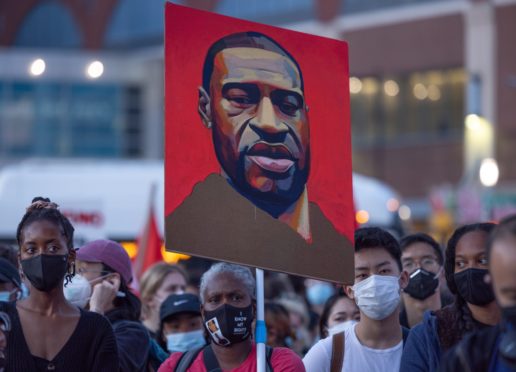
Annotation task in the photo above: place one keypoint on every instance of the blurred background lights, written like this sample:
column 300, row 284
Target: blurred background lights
column 391, row 88
column 489, row 172
column 392, row 205
column 362, row 216
column 95, row 69
column 404, row 212
column 420, row 91
column 473, row 122
column 37, row 67
column 370, row 86
column 355, row 85
column 434, row 93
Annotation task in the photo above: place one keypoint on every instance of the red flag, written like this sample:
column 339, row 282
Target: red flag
column 149, row 245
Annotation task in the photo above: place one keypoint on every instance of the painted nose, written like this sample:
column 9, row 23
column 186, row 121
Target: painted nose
column 266, row 119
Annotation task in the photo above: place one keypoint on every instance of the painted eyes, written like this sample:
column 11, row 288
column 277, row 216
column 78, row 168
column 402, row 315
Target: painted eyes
column 243, row 96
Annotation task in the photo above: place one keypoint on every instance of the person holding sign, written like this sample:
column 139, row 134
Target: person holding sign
column 228, row 308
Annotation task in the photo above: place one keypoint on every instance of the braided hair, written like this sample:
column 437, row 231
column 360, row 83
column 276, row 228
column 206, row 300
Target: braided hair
column 463, row 320
column 43, row 209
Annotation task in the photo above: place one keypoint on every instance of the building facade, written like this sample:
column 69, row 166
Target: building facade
column 417, row 68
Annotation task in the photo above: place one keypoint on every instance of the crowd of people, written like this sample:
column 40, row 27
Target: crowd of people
column 413, row 306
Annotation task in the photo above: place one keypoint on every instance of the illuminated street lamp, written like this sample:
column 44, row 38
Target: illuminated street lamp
column 95, row 70
column 37, row 67
column 489, row 172
column 488, row 175
column 478, row 144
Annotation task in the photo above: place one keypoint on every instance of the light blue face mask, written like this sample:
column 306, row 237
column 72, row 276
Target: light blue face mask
column 24, row 291
column 185, row 341
column 318, row 294
column 5, row 296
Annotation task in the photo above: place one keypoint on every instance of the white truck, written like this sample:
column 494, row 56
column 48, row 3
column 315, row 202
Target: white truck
column 111, row 198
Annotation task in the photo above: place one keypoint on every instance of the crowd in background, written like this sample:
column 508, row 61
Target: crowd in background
column 414, row 306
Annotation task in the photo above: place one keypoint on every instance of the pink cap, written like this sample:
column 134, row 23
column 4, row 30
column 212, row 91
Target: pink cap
column 109, row 253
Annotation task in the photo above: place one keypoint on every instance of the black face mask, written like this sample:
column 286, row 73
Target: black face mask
column 229, row 324
column 471, row 286
column 507, row 346
column 422, row 284
column 44, row 271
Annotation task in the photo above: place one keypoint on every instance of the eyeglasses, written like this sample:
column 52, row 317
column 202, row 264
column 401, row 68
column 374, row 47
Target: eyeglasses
column 82, row 270
column 427, row 263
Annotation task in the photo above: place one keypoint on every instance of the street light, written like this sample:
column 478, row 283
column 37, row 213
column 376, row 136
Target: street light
column 37, row 67
column 489, row 172
column 488, row 175
column 95, row 70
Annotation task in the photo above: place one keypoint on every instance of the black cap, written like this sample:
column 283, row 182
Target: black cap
column 179, row 303
column 9, row 273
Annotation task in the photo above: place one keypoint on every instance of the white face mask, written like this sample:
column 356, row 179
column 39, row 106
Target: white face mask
column 185, row 341
column 378, row 296
column 340, row 327
column 78, row 291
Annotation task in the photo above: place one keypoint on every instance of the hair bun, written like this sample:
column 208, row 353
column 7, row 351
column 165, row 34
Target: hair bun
column 39, row 203
column 40, row 198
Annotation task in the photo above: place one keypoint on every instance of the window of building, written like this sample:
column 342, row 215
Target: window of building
column 399, row 109
column 69, row 120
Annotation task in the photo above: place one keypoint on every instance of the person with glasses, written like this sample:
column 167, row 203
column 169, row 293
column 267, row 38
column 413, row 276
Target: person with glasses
column 474, row 307
column 422, row 259
column 10, row 281
column 104, row 276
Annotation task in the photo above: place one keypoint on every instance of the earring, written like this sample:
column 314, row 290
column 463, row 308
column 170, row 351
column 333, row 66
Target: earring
column 209, row 124
column 71, row 269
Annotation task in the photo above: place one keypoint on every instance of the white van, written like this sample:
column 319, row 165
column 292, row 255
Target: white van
column 111, row 198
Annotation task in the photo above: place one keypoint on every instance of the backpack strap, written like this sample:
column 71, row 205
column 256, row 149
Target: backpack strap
column 337, row 352
column 268, row 357
column 186, row 359
column 404, row 332
column 210, row 360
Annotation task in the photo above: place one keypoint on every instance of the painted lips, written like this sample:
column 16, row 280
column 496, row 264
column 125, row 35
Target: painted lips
column 273, row 165
column 273, row 158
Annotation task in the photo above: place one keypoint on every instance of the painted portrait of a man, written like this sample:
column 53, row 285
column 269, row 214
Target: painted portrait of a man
column 255, row 209
column 252, row 100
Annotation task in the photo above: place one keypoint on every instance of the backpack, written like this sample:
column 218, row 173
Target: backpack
column 210, row 361
column 337, row 349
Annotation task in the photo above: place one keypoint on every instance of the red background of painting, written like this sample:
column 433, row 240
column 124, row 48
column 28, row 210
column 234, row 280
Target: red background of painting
column 189, row 154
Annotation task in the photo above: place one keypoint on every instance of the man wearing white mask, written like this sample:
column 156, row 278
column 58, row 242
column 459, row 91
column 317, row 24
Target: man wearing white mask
column 376, row 342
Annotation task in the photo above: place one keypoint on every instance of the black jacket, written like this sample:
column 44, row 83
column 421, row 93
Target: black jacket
column 133, row 342
column 473, row 353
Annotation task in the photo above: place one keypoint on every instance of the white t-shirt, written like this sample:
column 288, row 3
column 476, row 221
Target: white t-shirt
column 357, row 357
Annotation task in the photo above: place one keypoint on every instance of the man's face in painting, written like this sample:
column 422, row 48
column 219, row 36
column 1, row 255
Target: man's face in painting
column 260, row 125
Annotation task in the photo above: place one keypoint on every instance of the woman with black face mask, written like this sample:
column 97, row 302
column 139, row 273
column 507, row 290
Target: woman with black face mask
column 47, row 332
column 493, row 348
column 474, row 307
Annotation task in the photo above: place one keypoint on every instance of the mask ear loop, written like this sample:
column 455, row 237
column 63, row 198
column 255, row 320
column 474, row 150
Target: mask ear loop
column 118, row 293
column 438, row 273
